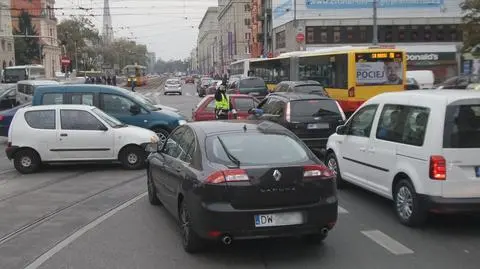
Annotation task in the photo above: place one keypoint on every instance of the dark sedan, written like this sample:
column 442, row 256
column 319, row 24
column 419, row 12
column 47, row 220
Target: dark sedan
column 234, row 180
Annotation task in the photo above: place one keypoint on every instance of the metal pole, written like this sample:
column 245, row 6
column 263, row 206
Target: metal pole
column 375, row 26
column 265, row 29
column 295, row 22
column 76, row 60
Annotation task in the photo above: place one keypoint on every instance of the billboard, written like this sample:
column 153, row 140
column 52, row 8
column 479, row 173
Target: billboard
column 283, row 10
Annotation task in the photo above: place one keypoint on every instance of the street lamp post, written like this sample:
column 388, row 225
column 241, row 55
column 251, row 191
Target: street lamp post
column 375, row 26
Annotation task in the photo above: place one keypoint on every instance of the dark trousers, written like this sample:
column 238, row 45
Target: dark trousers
column 221, row 116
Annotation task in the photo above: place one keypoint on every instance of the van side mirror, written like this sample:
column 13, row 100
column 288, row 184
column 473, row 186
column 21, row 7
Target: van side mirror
column 135, row 109
column 341, row 130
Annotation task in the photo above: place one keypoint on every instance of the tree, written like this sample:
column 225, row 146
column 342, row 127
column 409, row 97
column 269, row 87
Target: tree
column 471, row 23
column 79, row 35
column 124, row 52
column 171, row 66
column 27, row 49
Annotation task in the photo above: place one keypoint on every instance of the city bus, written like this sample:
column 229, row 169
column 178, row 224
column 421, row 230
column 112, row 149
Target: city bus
column 240, row 67
column 135, row 73
column 14, row 74
column 351, row 75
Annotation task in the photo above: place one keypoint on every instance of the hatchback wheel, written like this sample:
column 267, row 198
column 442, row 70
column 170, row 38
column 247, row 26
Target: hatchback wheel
column 152, row 190
column 332, row 164
column 407, row 205
column 190, row 240
column 132, row 157
column 27, row 161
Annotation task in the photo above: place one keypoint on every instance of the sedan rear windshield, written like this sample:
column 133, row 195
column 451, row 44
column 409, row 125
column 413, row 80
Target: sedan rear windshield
column 252, row 83
column 310, row 89
column 256, row 149
column 315, row 108
column 173, row 82
column 462, row 126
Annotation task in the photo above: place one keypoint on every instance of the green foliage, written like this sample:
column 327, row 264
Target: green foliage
column 471, row 23
column 124, row 52
column 162, row 66
column 27, row 49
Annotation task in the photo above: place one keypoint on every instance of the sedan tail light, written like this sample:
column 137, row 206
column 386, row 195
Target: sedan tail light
column 438, row 168
column 288, row 112
column 230, row 175
column 317, row 172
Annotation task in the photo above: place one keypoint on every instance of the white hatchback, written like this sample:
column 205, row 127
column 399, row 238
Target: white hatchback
column 420, row 149
column 59, row 133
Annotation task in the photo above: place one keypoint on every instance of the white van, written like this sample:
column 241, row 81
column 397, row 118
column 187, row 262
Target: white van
column 425, row 78
column 26, row 89
column 418, row 148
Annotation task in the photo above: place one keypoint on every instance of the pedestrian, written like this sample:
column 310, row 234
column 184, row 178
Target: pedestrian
column 134, row 84
column 109, row 80
column 223, row 104
column 114, row 80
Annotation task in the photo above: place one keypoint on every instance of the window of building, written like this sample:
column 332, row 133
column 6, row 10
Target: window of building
column 363, row 34
column 247, row 21
column 324, row 37
column 401, row 33
column 350, row 34
column 3, row 45
column 247, row 8
column 427, row 33
column 388, row 33
column 414, row 33
column 280, row 41
column 336, row 35
column 9, row 46
column 310, row 35
column 248, row 36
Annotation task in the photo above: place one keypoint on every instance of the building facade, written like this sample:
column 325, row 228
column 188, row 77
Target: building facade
column 207, row 33
column 428, row 30
column 261, row 43
column 235, row 21
column 7, row 44
column 193, row 61
column 43, row 17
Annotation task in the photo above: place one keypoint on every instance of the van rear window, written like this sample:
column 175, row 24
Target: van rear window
column 462, row 126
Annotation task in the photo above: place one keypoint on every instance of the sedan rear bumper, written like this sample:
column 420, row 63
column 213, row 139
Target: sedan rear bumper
column 212, row 221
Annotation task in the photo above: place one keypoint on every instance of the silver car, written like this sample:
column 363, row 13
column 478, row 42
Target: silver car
column 173, row 85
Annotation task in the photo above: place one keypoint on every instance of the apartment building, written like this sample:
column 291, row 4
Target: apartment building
column 261, row 42
column 235, row 20
column 43, row 17
column 7, row 49
column 207, row 56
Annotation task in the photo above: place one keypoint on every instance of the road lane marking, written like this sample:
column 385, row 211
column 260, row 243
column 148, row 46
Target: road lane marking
column 58, row 247
column 387, row 242
column 342, row 210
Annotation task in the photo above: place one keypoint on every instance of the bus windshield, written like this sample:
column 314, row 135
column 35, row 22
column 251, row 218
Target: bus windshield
column 14, row 75
column 384, row 68
column 36, row 73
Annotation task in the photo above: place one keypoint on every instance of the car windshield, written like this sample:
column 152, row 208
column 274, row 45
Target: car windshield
column 251, row 83
column 146, row 99
column 310, row 89
column 256, row 149
column 113, row 122
column 6, row 87
column 315, row 108
column 15, row 75
column 462, row 126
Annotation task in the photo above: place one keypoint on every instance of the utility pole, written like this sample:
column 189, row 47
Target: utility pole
column 375, row 26
column 76, row 59
column 265, row 29
column 295, row 26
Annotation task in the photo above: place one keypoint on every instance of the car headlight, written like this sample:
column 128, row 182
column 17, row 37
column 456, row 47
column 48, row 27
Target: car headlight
column 182, row 122
column 154, row 139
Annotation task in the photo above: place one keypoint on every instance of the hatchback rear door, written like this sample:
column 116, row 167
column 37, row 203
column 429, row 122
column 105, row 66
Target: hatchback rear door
column 461, row 149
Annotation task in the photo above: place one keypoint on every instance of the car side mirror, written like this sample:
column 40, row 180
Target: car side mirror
column 135, row 109
column 341, row 130
column 152, row 147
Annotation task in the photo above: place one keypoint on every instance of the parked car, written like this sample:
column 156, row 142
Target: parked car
column 173, row 85
column 8, row 93
column 252, row 85
column 235, row 180
column 190, row 80
column 474, row 86
column 73, row 133
column 6, row 117
column 212, row 89
column 26, row 89
column 417, row 148
column 115, row 101
column 309, row 86
column 242, row 103
column 458, row 82
column 203, row 85
column 412, row 84
column 313, row 118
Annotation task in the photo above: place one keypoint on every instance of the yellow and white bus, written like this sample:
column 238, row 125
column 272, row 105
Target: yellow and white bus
column 351, row 75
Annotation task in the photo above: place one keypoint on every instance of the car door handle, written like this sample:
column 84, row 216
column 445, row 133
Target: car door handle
column 363, row 149
column 63, row 134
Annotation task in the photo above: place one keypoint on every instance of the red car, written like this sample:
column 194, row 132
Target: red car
column 189, row 80
column 205, row 110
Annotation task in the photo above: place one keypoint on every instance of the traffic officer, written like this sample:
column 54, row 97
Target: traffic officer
column 222, row 102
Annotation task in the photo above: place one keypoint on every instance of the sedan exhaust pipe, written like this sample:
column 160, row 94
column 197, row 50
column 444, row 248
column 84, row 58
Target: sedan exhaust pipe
column 227, row 240
column 324, row 231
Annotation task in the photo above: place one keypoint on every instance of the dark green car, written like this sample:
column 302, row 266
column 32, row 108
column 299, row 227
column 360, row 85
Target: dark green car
column 253, row 86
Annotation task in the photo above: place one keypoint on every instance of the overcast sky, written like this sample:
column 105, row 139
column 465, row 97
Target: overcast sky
column 168, row 27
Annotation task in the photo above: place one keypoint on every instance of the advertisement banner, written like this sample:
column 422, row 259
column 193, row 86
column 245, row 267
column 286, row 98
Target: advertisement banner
column 354, row 4
column 379, row 73
column 282, row 12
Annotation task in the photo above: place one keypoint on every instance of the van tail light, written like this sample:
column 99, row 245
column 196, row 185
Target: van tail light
column 351, row 92
column 438, row 168
column 317, row 172
column 230, row 175
column 288, row 111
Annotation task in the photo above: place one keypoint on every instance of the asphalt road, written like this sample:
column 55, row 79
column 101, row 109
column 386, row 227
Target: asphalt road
column 87, row 216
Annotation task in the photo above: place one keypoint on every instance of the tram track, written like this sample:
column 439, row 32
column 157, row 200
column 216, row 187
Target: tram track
column 49, row 215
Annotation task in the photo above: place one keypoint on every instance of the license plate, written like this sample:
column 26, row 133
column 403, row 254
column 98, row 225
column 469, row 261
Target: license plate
column 318, row 126
column 278, row 219
column 477, row 171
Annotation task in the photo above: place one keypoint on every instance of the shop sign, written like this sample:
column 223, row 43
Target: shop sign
column 430, row 57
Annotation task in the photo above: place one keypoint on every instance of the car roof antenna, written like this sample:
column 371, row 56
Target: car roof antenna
column 245, row 128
